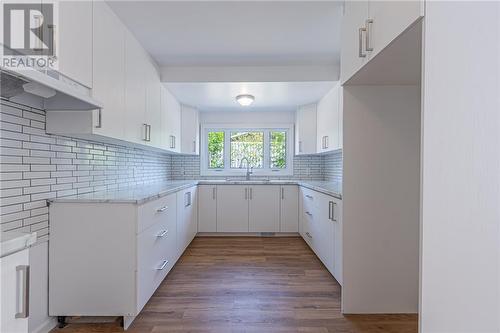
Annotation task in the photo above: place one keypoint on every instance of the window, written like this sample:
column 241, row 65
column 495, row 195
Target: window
column 227, row 149
column 249, row 145
column 216, row 150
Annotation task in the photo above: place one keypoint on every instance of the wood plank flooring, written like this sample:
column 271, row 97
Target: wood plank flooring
column 249, row 284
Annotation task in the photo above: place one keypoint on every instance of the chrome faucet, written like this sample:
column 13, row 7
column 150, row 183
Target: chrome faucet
column 249, row 170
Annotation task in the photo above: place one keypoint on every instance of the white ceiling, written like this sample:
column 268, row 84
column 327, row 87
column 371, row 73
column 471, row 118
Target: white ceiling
column 235, row 33
column 269, row 96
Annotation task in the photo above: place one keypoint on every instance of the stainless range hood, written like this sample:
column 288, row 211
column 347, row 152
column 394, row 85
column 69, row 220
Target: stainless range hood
column 40, row 90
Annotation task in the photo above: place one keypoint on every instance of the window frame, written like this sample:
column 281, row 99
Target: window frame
column 227, row 129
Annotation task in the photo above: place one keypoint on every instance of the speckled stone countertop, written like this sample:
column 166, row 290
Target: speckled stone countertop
column 147, row 192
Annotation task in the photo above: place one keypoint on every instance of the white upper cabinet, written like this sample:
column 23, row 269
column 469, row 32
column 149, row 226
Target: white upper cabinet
column 135, row 91
column 170, row 120
column 352, row 50
column 305, row 130
column 74, row 50
column 108, row 72
column 190, row 130
column 153, row 107
column 369, row 26
column 329, row 122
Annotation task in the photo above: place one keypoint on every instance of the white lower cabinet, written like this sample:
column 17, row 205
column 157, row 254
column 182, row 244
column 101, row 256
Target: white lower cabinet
column 187, row 217
column 14, row 307
column 289, row 208
column 232, row 208
column 107, row 259
column 264, row 208
column 321, row 227
column 207, row 208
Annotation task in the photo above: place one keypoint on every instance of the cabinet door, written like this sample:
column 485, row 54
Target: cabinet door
column 328, row 121
column 355, row 15
column 186, row 218
column 108, row 57
column 264, row 208
column 232, row 208
column 11, row 292
column 189, row 130
column 305, row 130
column 390, row 19
column 74, row 48
column 170, row 120
column 153, row 106
column 324, row 232
column 135, row 90
column 207, row 208
column 289, row 208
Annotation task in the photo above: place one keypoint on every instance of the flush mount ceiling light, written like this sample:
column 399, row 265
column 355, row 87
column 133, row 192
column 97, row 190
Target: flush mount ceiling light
column 245, row 100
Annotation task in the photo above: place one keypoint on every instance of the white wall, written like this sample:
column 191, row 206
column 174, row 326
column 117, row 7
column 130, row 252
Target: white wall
column 381, row 199
column 460, row 284
column 248, row 117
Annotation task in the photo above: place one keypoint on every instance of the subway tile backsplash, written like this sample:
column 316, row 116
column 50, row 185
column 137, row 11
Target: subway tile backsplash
column 35, row 166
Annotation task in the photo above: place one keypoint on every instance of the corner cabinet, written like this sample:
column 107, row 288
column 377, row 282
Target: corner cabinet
column 369, row 26
column 329, row 121
column 305, row 130
column 190, row 130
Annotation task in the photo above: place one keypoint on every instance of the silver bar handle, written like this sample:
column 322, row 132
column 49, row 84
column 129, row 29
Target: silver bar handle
column 99, row 119
column 188, row 197
column 145, row 132
column 308, row 213
column 368, row 24
column 282, row 193
column 309, row 196
column 325, row 142
column 360, row 36
column 330, row 204
column 162, row 209
column 251, row 193
column 213, row 192
column 24, row 292
column 162, row 266
column 309, row 235
column 194, row 146
column 172, row 141
column 54, row 39
column 246, row 193
column 300, row 146
column 149, row 132
column 163, row 233
column 333, row 212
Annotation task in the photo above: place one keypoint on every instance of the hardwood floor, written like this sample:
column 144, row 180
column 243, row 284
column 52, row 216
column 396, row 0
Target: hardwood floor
column 248, row 284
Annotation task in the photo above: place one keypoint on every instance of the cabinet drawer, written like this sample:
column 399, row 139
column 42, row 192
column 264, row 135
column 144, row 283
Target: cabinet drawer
column 162, row 209
column 156, row 255
column 309, row 200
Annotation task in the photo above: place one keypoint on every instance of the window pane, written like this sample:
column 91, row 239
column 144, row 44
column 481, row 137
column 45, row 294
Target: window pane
column 215, row 150
column 278, row 149
column 249, row 145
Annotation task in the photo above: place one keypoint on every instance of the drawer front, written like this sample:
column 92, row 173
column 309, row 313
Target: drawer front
column 308, row 228
column 162, row 209
column 309, row 199
column 156, row 255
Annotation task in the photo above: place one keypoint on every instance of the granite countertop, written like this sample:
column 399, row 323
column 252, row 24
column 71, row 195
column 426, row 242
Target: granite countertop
column 147, row 192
